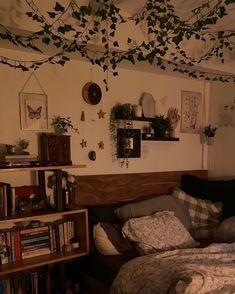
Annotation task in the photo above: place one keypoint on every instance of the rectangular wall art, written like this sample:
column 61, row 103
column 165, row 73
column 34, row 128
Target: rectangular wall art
column 191, row 103
column 33, row 111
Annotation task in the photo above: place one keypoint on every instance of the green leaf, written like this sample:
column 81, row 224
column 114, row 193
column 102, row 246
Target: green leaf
column 51, row 14
column 46, row 40
column 30, row 14
column 58, row 7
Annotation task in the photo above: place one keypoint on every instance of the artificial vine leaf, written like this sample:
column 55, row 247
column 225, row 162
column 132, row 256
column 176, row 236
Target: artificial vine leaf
column 59, row 7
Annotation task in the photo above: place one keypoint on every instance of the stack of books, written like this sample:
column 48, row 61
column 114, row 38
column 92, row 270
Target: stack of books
column 35, row 242
column 14, row 160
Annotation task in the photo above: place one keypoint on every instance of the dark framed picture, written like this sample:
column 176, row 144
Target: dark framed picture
column 128, row 143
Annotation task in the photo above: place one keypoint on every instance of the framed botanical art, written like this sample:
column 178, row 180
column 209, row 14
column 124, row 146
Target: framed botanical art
column 191, row 103
column 33, row 111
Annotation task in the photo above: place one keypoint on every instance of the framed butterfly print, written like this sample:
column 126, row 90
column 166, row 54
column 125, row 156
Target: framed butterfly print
column 33, row 111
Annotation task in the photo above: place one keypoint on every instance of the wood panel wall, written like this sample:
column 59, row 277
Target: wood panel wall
column 122, row 188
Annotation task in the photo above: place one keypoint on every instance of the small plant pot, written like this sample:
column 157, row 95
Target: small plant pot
column 210, row 140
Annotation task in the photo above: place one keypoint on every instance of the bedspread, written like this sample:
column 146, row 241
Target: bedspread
column 191, row 271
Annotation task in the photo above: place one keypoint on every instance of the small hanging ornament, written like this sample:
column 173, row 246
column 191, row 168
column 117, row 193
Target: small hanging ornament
column 83, row 143
column 82, row 116
column 101, row 145
column 101, row 114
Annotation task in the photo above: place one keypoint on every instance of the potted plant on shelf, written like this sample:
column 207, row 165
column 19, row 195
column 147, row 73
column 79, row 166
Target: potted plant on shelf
column 161, row 126
column 210, row 132
column 62, row 125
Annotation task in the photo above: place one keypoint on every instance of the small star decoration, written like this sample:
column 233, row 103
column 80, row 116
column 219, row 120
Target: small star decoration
column 101, row 145
column 83, row 143
column 101, row 114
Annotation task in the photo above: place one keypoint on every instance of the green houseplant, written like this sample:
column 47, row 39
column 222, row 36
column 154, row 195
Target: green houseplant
column 62, row 125
column 209, row 131
column 161, row 126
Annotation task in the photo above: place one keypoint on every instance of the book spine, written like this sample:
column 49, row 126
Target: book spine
column 3, row 248
column 8, row 242
column 13, row 245
column 36, row 252
column 34, row 230
column 17, row 246
column 36, row 239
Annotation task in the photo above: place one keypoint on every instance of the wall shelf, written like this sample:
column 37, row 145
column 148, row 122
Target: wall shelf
column 148, row 119
column 159, row 139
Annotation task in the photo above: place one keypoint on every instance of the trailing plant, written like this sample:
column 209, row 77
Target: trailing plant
column 121, row 117
column 209, row 131
column 161, row 125
column 72, row 28
column 62, row 124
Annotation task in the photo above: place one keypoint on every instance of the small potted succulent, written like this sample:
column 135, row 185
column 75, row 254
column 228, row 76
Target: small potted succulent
column 210, row 132
column 161, row 126
column 62, row 125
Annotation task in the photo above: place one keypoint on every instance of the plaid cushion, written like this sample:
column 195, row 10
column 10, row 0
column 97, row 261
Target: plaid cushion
column 204, row 214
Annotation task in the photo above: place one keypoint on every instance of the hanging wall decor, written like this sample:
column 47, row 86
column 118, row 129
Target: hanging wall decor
column 33, row 108
column 190, row 112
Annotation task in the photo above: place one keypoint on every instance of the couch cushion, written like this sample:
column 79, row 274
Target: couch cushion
column 149, row 206
column 205, row 215
column 215, row 191
column 158, row 232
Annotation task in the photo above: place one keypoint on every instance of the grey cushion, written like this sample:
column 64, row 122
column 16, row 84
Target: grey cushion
column 149, row 206
column 225, row 232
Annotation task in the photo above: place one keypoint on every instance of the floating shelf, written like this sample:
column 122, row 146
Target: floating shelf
column 138, row 119
column 159, row 139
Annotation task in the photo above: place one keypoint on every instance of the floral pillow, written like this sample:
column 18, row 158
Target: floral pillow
column 158, row 232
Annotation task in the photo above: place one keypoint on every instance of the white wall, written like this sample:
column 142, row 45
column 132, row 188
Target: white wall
column 221, row 154
column 63, row 86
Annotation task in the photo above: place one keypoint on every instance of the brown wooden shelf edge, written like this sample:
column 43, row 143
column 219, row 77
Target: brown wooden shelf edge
column 42, row 167
column 160, row 139
column 38, row 261
column 149, row 119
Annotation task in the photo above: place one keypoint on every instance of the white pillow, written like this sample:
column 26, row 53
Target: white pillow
column 102, row 242
column 158, row 232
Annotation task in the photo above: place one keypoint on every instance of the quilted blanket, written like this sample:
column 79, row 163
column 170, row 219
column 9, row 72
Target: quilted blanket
column 191, row 271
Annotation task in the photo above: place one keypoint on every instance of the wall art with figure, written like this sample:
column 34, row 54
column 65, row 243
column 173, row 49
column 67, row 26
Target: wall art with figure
column 191, row 103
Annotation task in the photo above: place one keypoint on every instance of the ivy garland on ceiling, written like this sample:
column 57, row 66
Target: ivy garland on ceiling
column 100, row 19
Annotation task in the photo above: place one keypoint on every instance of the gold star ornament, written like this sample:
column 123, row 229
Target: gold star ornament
column 101, row 114
column 101, row 145
column 83, row 143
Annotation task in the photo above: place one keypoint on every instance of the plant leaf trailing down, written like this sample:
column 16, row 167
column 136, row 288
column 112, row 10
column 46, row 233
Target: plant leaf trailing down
column 166, row 32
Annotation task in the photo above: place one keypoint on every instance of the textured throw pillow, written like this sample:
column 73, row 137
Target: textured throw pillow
column 205, row 215
column 149, row 206
column 102, row 242
column 158, row 232
column 109, row 240
column 225, row 232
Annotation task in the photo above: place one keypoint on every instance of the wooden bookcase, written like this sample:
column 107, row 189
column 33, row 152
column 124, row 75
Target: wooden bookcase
column 78, row 216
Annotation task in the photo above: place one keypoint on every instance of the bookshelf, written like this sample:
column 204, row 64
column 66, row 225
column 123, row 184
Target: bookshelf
column 71, row 226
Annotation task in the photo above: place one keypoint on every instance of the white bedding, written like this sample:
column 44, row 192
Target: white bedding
column 192, row 271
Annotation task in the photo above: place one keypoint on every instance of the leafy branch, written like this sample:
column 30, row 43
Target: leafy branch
column 71, row 29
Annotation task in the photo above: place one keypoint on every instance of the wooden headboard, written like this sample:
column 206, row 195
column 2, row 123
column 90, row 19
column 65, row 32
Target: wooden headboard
column 122, row 188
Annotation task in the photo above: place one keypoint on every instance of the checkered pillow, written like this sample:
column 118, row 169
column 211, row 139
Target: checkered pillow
column 204, row 214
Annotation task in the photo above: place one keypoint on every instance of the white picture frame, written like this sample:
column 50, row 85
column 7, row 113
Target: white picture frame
column 33, row 111
column 191, row 103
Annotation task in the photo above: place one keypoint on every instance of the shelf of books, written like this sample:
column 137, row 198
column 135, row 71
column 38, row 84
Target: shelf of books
column 30, row 242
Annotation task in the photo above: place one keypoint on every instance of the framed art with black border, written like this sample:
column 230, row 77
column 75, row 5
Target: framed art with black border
column 128, row 143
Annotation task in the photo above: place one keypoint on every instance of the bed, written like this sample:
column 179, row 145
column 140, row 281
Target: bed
column 134, row 267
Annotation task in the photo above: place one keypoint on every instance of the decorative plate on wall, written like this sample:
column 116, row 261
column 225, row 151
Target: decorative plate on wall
column 91, row 93
column 148, row 105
